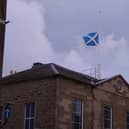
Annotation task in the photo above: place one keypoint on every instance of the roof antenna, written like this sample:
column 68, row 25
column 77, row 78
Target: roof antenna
column 94, row 72
column 91, row 72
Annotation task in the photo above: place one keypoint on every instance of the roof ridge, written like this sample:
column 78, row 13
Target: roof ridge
column 54, row 68
column 47, row 70
column 83, row 74
column 110, row 78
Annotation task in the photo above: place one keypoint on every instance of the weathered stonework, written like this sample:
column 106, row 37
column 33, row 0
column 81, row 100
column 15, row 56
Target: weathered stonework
column 106, row 94
column 42, row 92
column 53, row 97
column 68, row 90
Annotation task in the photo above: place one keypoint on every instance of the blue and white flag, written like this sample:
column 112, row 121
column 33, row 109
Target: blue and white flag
column 91, row 39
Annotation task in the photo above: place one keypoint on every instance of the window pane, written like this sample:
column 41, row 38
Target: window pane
column 27, row 110
column 76, row 126
column 1, row 109
column 107, row 124
column 77, row 118
column 127, row 120
column 107, row 117
column 107, row 114
column 31, row 123
column 107, row 108
column 77, row 114
column 29, row 116
column 32, row 110
column 27, row 124
column 77, row 107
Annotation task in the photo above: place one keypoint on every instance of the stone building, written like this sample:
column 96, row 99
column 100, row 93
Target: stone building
column 49, row 96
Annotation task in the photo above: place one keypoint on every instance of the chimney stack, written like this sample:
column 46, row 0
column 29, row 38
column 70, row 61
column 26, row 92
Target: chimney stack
column 3, row 4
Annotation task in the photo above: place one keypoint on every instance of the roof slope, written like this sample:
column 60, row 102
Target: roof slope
column 40, row 71
column 100, row 82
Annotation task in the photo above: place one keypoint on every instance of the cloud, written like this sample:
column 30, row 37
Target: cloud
column 114, row 55
column 42, row 33
column 26, row 41
column 71, row 18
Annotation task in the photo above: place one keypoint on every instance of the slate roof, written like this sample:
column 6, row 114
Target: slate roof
column 100, row 82
column 40, row 71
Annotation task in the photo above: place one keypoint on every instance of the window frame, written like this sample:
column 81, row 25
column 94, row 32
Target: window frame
column 111, row 120
column 127, row 114
column 1, row 115
column 82, row 113
column 29, row 118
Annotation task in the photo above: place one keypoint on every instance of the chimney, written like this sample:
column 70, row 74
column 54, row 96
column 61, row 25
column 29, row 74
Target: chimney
column 37, row 65
column 3, row 4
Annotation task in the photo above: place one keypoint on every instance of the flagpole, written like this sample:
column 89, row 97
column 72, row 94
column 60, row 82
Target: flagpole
column 98, row 47
column 93, row 39
column 98, row 63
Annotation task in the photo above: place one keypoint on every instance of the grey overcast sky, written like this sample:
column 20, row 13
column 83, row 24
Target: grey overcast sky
column 52, row 30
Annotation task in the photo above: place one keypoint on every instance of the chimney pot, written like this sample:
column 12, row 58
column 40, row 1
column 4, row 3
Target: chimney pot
column 37, row 65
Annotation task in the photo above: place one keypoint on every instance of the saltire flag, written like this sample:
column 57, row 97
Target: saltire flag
column 91, row 39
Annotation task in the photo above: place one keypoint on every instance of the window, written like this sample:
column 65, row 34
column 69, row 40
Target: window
column 29, row 116
column 127, row 120
column 107, row 117
column 1, row 112
column 77, row 114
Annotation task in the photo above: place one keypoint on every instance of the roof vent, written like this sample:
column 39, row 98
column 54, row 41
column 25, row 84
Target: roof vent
column 37, row 65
